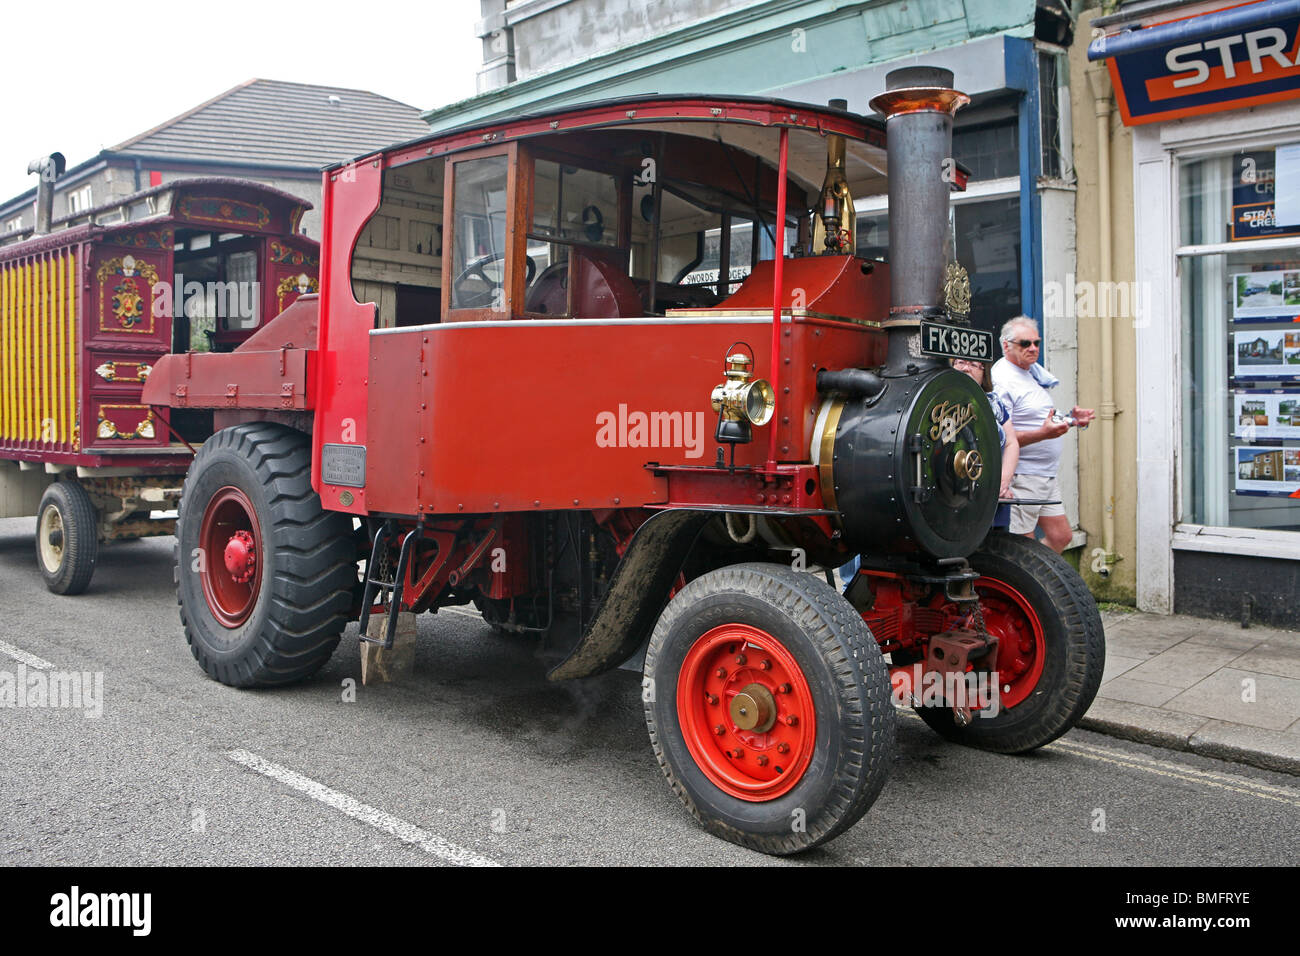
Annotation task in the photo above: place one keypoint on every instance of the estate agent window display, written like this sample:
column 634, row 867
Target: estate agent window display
column 1240, row 329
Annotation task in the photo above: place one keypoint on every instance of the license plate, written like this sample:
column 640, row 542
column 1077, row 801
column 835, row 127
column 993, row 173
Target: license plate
column 952, row 341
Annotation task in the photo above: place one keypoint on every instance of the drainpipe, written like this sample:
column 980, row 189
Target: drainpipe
column 1099, row 82
column 49, row 168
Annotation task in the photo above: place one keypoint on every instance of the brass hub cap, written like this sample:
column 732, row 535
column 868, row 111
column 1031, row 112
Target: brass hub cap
column 754, row 709
column 968, row 465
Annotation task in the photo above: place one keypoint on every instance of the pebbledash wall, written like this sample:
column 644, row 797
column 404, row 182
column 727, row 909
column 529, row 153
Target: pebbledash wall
column 1211, row 94
column 1013, row 228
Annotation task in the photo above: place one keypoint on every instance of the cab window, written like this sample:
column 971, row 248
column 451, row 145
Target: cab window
column 479, row 251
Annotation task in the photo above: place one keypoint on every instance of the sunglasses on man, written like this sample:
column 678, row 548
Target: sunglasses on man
column 1026, row 343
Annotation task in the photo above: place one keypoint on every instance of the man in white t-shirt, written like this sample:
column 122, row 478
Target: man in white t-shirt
column 1022, row 385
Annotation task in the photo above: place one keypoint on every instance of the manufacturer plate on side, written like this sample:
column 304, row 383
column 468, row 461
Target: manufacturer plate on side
column 343, row 465
column 953, row 341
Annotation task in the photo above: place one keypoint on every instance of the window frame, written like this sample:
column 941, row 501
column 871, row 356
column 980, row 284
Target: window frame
column 1191, row 535
column 519, row 172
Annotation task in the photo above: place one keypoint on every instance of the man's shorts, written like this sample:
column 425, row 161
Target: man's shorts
column 1024, row 518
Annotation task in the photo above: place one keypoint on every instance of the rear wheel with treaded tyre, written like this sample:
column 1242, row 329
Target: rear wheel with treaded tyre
column 264, row 574
column 768, row 706
column 1051, row 648
column 67, row 538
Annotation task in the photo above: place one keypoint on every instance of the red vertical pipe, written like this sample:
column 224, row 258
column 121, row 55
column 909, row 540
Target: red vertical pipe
column 778, row 297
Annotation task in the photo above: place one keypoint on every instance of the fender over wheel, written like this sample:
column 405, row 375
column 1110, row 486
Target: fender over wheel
column 67, row 538
column 264, row 575
column 1051, row 647
column 768, row 706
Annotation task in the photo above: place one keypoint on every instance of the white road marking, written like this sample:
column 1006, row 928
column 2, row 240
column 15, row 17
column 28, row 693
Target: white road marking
column 456, row 610
column 406, row 832
column 1207, row 778
column 31, row 660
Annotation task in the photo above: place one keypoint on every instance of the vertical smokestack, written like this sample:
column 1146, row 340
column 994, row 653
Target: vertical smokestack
column 49, row 168
column 918, row 104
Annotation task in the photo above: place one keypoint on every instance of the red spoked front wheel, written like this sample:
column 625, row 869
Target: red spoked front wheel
column 768, row 705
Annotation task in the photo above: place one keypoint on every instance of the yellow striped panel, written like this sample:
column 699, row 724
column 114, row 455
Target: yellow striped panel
column 74, row 351
column 33, row 293
column 11, row 347
column 49, row 432
column 24, row 296
column 4, row 351
column 29, row 351
column 43, row 362
column 11, row 355
column 61, row 381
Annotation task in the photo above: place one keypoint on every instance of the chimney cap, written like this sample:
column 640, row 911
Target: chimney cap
column 913, row 77
column 54, row 162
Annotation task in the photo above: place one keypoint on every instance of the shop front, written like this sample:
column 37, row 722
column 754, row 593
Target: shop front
column 1212, row 93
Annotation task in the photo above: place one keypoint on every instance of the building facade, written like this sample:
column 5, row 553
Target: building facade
column 1210, row 96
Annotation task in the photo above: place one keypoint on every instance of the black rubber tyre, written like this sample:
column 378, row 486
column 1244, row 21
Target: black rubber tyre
column 852, row 749
column 67, row 538
column 1075, row 650
column 306, row 560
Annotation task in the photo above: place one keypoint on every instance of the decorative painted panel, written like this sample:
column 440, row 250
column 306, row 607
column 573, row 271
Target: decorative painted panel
column 225, row 211
column 124, row 288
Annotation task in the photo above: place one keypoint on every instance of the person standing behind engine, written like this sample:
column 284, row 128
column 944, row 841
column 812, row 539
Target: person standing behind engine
column 1023, row 385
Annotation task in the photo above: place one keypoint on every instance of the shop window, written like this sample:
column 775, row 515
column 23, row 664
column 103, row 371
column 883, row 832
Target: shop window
column 987, row 238
column 1240, row 347
column 990, row 150
column 1050, row 67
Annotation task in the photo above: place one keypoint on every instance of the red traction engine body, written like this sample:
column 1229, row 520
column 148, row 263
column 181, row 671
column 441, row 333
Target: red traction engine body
column 616, row 376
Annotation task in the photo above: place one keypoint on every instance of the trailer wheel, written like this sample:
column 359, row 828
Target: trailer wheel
column 67, row 538
column 1051, row 647
column 264, row 574
column 768, row 705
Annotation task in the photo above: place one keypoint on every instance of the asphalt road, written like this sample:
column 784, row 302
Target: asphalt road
column 477, row 758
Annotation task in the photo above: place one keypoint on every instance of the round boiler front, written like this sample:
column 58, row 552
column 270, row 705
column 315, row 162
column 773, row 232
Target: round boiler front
column 918, row 468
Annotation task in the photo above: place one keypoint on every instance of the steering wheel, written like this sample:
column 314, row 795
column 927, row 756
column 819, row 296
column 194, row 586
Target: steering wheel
column 477, row 269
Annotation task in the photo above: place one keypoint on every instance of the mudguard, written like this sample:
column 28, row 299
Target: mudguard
column 636, row 595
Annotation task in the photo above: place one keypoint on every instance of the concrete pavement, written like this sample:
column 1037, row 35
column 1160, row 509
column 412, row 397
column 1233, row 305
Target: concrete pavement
column 1206, row 686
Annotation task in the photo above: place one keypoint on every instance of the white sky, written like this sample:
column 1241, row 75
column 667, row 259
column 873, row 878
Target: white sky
column 81, row 77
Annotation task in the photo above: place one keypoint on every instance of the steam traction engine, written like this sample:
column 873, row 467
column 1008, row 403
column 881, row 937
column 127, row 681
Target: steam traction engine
column 632, row 499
